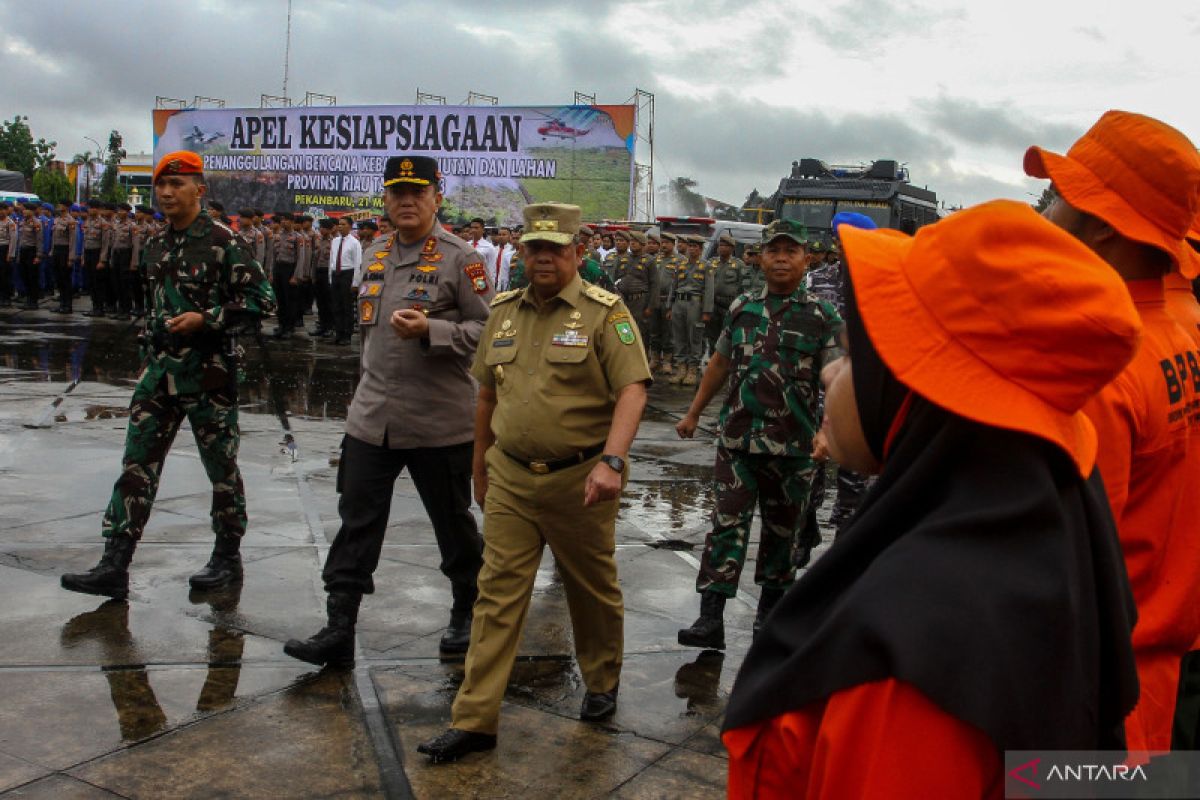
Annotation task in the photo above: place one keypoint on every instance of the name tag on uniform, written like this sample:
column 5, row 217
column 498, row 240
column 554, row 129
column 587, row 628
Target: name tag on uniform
column 503, row 342
column 569, row 339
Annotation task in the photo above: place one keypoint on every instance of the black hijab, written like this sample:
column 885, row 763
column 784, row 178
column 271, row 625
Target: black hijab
column 980, row 568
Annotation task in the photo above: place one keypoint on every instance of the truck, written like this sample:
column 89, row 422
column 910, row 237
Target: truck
column 815, row 191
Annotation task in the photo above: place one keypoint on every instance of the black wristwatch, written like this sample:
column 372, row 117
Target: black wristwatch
column 615, row 462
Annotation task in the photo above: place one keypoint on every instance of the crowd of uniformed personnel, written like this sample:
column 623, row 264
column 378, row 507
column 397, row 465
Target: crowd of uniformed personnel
column 1032, row 454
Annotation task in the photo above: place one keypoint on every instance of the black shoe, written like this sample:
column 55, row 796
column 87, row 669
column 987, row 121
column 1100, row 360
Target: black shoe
column 708, row 631
column 341, row 341
column 458, row 633
column 122, row 316
column 94, row 313
column 598, row 706
column 110, row 577
column 281, row 333
column 453, row 744
column 315, row 332
column 224, row 567
column 333, row 645
column 766, row 601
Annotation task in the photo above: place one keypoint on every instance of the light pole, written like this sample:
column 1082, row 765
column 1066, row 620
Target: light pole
column 88, row 166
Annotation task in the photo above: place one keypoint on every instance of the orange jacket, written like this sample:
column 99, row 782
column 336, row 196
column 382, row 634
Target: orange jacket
column 880, row 739
column 1145, row 420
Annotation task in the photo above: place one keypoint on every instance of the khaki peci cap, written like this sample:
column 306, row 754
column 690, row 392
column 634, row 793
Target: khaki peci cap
column 552, row 222
column 638, row 237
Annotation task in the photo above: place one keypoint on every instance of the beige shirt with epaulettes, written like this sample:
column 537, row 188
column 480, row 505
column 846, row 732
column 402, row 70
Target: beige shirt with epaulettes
column 556, row 367
column 419, row 392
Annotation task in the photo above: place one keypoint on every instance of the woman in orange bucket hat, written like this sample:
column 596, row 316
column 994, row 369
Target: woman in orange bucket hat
column 978, row 602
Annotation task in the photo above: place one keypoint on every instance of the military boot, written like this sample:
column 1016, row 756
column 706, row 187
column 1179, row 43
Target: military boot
column 665, row 366
column 690, row 378
column 678, row 375
column 110, row 577
column 333, row 645
column 766, row 601
column 653, row 362
column 224, row 566
column 708, row 630
column 458, row 633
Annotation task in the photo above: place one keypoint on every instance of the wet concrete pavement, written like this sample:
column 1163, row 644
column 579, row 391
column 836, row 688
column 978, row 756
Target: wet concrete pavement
column 174, row 694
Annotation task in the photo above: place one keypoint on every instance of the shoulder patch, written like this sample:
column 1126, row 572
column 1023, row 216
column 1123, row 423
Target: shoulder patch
column 504, row 297
column 600, row 295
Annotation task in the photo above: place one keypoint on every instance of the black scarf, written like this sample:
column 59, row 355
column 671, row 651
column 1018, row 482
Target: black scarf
column 980, row 568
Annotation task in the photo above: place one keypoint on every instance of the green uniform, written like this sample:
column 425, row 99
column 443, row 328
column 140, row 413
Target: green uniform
column 615, row 264
column 776, row 347
column 687, row 298
column 201, row 269
column 555, row 367
column 724, row 285
column 636, row 279
column 659, row 326
column 753, row 278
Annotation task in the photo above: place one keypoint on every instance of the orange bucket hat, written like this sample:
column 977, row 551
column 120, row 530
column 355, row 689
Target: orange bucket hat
column 1138, row 174
column 180, row 162
column 999, row 316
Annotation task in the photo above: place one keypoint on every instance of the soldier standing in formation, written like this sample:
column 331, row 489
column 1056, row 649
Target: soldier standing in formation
column 60, row 251
column 29, row 251
column 660, row 307
column 94, row 231
column 143, row 229
column 202, row 284
column 284, row 247
column 562, row 386
column 773, row 345
column 635, row 282
column 320, row 283
column 753, row 279
column 115, row 259
column 421, row 307
column 614, row 263
column 726, row 274
column 688, row 289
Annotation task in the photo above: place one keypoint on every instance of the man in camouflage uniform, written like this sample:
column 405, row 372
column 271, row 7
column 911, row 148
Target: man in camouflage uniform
column 202, row 285
column 725, row 275
column 688, row 288
column 771, row 350
column 635, row 280
column 753, row 279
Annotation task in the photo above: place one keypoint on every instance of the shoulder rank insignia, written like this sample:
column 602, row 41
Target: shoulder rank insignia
column 504, row 297
column 378, row 266
column 600, row 295
column 430, row 245
column 478, row 277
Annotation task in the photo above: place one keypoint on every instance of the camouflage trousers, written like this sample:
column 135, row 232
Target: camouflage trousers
column 154, row 419
column 780, row 486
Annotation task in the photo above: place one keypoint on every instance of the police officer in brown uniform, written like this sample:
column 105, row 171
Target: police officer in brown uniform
column 421, row 308
column 562, row 378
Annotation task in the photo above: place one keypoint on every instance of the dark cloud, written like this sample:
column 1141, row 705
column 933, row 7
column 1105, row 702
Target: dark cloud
column 1002, row 126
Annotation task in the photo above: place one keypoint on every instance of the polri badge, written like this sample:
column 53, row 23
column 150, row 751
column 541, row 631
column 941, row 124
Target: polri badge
column 368, row 311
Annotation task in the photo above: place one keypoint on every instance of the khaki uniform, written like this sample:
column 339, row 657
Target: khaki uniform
column 725, row 279
column 636, row 279
column 687, row 297
column 556, row 368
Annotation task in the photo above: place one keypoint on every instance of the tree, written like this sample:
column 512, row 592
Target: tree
column 111, row 190
column 52, row 186
column 19, row 152
column 1045, row 200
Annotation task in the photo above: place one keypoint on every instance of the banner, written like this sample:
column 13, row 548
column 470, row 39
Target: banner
column 328, row 161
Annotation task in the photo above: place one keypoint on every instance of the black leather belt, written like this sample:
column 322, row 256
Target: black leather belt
column 546, row 467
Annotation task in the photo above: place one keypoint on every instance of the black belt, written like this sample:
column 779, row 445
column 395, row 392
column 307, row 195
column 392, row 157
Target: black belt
column 546, row 467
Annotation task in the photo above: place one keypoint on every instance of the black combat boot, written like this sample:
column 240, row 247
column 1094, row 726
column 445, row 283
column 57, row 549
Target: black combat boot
column 224, row 566
column 708, row 630
column 333, row 645
column 766, row 601
column 458, row 633
column 111, row 576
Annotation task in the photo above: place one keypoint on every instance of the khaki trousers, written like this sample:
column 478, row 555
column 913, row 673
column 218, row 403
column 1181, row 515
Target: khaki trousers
column 523, row 513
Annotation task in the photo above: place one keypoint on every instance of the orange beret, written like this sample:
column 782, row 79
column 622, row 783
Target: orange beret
column 181, row 162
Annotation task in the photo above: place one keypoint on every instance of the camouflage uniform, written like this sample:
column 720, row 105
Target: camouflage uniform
column 202, row 269
column 825, row 282
column 724, row 285
column 776, row 347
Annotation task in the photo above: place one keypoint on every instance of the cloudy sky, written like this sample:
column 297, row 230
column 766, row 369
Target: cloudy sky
column 956, row 90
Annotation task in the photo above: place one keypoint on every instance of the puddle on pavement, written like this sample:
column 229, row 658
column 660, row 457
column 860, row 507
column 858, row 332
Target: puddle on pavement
column 138, row 709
